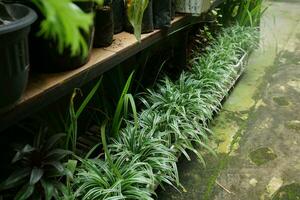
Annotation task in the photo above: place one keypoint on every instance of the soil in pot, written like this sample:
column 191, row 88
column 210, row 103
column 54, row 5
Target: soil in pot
column 14, row 60
column 162, row 13
column 44, row 54
column 147, row 23
column 104, row 26
column 118, row 8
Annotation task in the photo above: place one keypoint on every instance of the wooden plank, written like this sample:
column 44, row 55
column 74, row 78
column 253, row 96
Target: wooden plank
column 44, row 89
column 40, row 83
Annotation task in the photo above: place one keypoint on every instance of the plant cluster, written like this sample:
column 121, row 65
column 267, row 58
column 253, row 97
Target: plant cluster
column 38, row 169
column 66, row 23
column 175, row 118
column 143, row 154
column 244, row 12
column 204, row 33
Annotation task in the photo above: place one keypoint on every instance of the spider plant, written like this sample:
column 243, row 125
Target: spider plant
column 180, row 113
column 96, row 180
column 39, row 169
column 142, row 146
column 111, row 178
column 184, row 108
column 175, row 117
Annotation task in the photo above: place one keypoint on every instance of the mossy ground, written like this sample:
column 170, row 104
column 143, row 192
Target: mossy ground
column 257, row 133
column 262, row 156
column 288, row 192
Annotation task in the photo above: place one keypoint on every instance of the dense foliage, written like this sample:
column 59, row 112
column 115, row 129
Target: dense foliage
column 175, row 118
column 38, row 169
column 244, row 12
column 140, row 148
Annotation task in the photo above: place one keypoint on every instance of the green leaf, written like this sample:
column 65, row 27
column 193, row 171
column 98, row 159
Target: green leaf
column 19, row 155
column 57, row 154
column 135, row 13
column 117, row 116
column 133, row 107
column 87, row 156
column 15, row 179
column 57, row 165
column 74, row 115
column 88, row 98
column 64, row 23
column 48, row 189
column 53, row 140
column 71, row 165
column 106, row 151
column 36, row 175
column 71, row 168
column 25, row 192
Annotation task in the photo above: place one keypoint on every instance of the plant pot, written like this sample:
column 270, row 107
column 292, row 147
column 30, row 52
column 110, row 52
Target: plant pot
column 162, row 13
column 189, row 6
column 147, row 23
column 14, row 59
column 44, row 54
column 104, row 27
column 118, row 8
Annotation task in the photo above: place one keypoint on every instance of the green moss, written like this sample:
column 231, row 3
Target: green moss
column 294, row 125
column 288, row 192
column 262, row 155
column 281, row 101
column 289, row 57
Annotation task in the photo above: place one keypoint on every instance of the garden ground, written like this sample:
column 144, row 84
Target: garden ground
column 258, row 129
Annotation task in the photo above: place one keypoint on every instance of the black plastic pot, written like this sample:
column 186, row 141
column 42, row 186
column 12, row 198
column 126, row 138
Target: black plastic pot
column 147, row 23
column 162, row 13
column 104, row 27
column 118, row 8
column 14, row 59
column 44, row 54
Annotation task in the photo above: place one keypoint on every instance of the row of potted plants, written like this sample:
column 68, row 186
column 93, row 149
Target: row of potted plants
column 64, row 32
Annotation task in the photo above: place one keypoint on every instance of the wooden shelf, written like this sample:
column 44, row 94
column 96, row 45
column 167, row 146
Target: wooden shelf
column 44, row 89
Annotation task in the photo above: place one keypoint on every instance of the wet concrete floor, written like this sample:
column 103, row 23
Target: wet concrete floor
column 257, row 133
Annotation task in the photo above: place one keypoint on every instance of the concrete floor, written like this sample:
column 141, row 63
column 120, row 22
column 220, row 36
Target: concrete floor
column 258, row 130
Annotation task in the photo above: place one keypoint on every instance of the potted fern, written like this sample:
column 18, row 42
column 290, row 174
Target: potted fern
column 74, row 24
column 61, row 23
